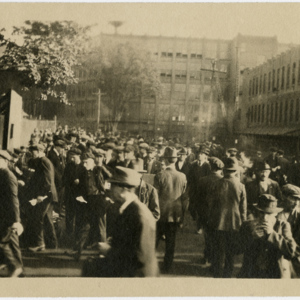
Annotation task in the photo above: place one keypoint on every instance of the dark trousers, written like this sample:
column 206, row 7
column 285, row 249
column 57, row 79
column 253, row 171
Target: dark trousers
column 40, row 220
column 90, row 222
column 11, row 253
column 223, row 246
column 169, row 230
column 70, row 214
column 208, row 239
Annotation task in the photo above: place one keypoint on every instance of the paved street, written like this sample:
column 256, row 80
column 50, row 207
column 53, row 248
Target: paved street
column 188, row 253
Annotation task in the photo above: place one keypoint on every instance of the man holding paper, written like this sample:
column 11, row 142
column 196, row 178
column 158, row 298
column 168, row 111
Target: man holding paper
column 41, row 188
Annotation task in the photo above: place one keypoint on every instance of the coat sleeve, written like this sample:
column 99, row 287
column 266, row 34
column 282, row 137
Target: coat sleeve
column 13, row 209
column 243, row 204
column 154, row 204
column 285, row 241
column 47, row 170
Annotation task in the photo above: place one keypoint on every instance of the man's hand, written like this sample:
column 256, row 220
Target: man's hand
column 41, row 199
column 268, row 227
column 18, row 227
column 76, row 181
column 103, row 248
column 21, row 183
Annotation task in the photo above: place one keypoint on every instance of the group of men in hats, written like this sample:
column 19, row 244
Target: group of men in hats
column 123, row 195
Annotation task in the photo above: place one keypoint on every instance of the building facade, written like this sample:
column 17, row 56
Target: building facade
column 190, row 103
column 270, row 106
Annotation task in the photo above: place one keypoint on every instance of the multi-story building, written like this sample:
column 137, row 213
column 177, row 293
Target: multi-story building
column 189, row 106
column 270, row 106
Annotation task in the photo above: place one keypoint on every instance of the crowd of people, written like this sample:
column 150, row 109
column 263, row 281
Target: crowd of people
column 123, row 195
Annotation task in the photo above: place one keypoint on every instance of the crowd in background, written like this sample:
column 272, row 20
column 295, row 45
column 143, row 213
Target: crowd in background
column 100, row 184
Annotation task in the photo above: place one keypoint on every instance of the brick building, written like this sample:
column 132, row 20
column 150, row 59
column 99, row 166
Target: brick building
column 270, row 106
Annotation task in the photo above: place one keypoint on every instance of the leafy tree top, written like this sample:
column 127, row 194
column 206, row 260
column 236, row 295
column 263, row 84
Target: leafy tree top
column 45, row 56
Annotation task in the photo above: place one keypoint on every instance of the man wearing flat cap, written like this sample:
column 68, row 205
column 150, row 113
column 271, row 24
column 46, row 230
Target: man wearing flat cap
column 268, row 242
column 261, row 185
column 10, row 222
column 228, row 210
column 291, row 214
column 131, row 250
column 199, row 168
column 56, row 156
column 41, row 187
column 171, row 186
column 204, row 189
column 118, row 158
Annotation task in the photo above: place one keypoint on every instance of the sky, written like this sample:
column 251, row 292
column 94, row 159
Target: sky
column 211, row 20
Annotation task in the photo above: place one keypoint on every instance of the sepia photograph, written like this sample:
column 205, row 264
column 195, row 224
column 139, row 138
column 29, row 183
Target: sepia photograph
column 154, row 141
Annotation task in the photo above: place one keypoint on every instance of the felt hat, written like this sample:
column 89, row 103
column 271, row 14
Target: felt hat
column 126, row 177
column 268, row 204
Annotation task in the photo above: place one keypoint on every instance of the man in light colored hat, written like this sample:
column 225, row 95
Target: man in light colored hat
column 228, row 210
column 171, row 186
column 131, row 251
column 267, row 241
column 10, row 222
column 261, row 185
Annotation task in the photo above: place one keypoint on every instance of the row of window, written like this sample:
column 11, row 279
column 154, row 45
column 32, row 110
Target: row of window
column 275, row 80
column 278, row 112
column 180, row 55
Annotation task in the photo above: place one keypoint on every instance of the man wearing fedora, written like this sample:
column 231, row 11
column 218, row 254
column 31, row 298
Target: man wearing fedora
column 151, row 164
column 131, row 249
column 10, row 226
column 228, row 210
column 268, row 242
column 291, row 214
column 205, row 188
column 199, row 168
column 182, row 165
column 171, row 186
column 261, row 185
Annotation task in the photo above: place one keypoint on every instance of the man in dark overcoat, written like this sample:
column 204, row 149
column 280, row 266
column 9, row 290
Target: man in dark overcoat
column 131, row 251
column 10, row 226
column 41, row 188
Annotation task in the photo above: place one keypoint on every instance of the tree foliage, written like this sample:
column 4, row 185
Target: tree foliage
column 125, row 73
column 45, row 56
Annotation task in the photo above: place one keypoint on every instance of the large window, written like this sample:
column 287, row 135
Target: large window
column 294, row 74
column 276, row 113
column 255, row 114
column 264, row 84
column 291, row 110
column 271, row 116
column 288, row 74
column 256, row 86
column 251, row 113
column 258, row 114
column 268, row 114
column 286, row 112
column 273, row 80
column 280, row 112
column 297, row 110
column 278, row 79
column 260, row 84
column 263, row 114
column 269, row 82
column 250, row 87
column 282, row 77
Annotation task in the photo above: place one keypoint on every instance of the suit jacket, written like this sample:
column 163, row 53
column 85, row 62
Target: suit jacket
column 185, row 167
column 132, row 252
column 253, row 192
column 9, row 203
column 204, row 189
column 155, row 168
column 267, row 257
column 228, row 205
column 148, row 195
column 59, row 166
column 42, row 181
column 171, row 186
column 193, row 176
